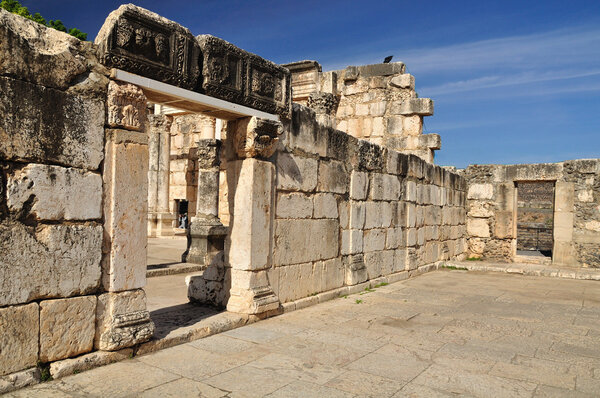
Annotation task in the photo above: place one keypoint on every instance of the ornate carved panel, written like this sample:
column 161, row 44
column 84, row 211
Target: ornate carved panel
column 126, row 106
column 141, row 42
column 256, row 138
column 235, row 75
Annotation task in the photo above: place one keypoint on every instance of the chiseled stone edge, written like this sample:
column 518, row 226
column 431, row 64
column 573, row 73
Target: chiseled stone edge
column 20, row 379
column 528, row 270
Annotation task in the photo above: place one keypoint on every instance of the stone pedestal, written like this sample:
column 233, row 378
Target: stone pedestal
column 206, row 233
column 159, row 217
column 160, row 224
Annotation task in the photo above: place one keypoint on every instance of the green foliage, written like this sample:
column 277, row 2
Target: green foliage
column 357, row 301
column 453, row 267
column 44, row 368
column 380, row 284
column 16, row 8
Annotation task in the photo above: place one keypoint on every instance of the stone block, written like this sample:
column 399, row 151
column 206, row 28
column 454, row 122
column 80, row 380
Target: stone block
column 374, row 240
column 373, row 215
column 58, row 192
column 393, row 238
column 377, row 108
column 325, row 206
column 50, row 261
column 563, row 253
column 298, row 241
column 67, row 327
column 504, row 226
column 384, row 187
column 337, row 144
column 412, row 125
column 294, row 205
column 333, row 177
column 125, row 211
column 400, row 260
column 352, row 241
column 359, row 184
column 430, row 141
column 296, row 173
column 251, row 227
column 344, row 213
column 19, row 337
column 478, row 227
column 299, row 280
column 332, row 274
column 39, row 54
column 44, row 125
column 374, row 264
column 395, row 125
column 251, row 292
column 415, row 106
column 477, row 209
column 357, row 215
column 387, row 213
column 410, row 211
column 404, row 80
column 481, row 191
column 563, row 226
column 355, row 270
column 411, row 237
column 305, row 133
column 564, row 194
column 122, row 320
column 388, row 69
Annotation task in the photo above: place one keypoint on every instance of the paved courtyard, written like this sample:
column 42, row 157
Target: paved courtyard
column 442, row 334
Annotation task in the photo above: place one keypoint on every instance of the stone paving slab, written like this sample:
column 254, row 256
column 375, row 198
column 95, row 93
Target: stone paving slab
column 443, row 334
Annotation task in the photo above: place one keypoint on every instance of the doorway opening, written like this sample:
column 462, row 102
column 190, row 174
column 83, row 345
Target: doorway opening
column 535, row 220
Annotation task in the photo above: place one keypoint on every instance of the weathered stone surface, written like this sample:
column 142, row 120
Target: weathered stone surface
column 51, row 261
column 55, row 193
column 235, row 75
column 296, row 173
column 332, row 177
column 19, row 336
column 404, row 80
column 39, row 54
column 256, row 137
column 122, row 320
column 252, row 292
column 293, row 238
column 478, row 227
column 352, row 241
column 67, row 327
column 126, row 106
column 359, row 183
column 45, row 125
column 142, row 42
column 416, row 106
column 325, row 206
column 248, row 243
column 294, row 205
column 17, row 380
column 480, row 191
column 125, row 210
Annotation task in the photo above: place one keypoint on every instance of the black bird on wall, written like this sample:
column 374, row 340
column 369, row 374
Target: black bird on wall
column 388, row 59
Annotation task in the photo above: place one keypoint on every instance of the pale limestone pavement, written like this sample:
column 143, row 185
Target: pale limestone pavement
column 445, row 333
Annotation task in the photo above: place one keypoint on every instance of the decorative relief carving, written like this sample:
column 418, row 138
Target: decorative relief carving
column 126, row 105
column 141, row 42
column 232, row 74
column 323, row 103
column 256, row 137
column 209, row 152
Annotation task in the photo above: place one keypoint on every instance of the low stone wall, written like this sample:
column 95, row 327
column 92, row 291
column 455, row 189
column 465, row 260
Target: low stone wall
column 492, row 206
column 347, row 211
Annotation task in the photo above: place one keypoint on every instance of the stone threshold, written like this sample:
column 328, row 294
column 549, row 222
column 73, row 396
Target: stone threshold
column 179, row 268
column 526, row 269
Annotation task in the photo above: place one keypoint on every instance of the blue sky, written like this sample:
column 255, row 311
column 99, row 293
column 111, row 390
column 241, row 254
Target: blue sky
column 512, row 81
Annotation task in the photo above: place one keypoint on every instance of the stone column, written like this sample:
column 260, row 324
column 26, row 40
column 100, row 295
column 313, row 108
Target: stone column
column 207, row 127
column 122, row 318
column 160, row 219
column 206, row 233
column 564, row 204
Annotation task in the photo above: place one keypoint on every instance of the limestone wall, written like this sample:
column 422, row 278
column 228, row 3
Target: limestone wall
column 377, row 103
column 347, row 211
column 492, row 206
column 52, row 102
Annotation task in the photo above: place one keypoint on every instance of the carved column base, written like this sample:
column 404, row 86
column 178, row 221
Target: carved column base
column 160, row 224
column 211, row 287
column 206, row 239
column 356, row 271
column 253, row 301
column 122, row 320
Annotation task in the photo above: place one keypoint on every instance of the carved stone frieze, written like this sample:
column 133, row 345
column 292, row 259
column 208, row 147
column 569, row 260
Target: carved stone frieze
column 209, row 151
column 126, row 106
column 255, row 137
column 144, row 43
column 323, row 103
column 235, row 75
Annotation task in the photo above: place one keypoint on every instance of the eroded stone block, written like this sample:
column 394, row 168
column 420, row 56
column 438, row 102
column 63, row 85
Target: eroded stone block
column 296, row 173
column 478, row 227
column 294, row 205
column 325, row 206
column 332, row 177
column 122, row 320
column 359, row 183
column 298, row 241
column 67, row 327
column 481, row 191
column 57, row 192
column 51, row 261
column 45, row 125
column 19, row 337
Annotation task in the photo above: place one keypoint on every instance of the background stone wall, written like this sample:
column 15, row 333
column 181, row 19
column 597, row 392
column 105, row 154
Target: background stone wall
column 52, row 102
column 492, row 204
column 347, row 211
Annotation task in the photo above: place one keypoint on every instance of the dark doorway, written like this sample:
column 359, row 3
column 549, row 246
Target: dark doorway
column 182, row 213
column 535, row 218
